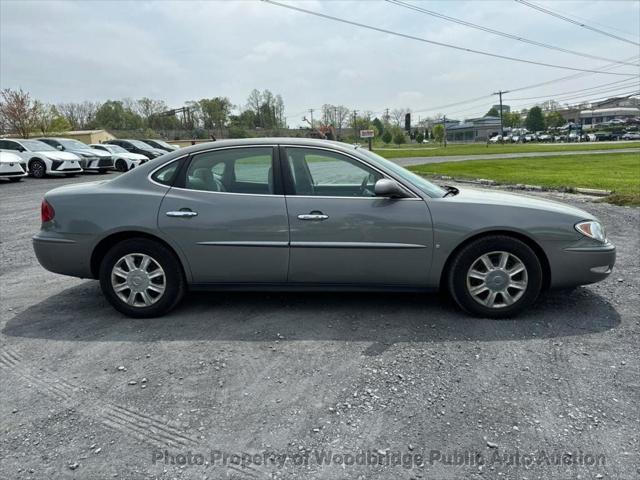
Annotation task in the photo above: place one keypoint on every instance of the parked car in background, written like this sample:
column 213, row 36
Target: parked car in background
column 90, row 158
column 42, row 159
column 161, row 144
column 12, row 166
column 137, row 146
column 631, row 136
column 496, row 139
column 292, row 214
column 544, row 137
column 604, row 136
column 123, row 160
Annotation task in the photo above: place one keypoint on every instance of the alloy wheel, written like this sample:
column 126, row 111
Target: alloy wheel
column 497, row 279
column 138, row 280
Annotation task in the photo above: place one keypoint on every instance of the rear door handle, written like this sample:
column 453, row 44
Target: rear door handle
column 182, row 213
column 315, row 215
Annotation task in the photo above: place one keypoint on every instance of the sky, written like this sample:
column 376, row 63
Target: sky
column 62, row 51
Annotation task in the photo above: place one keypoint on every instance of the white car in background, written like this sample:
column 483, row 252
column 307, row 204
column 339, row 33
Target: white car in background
column 123, row 161
column 42, row 159
column 12, row 166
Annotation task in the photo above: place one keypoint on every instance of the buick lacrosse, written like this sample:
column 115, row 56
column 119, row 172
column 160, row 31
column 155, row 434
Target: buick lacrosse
column 300, row 214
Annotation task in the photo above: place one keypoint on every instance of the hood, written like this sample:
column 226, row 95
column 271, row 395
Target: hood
column 487, row 197
column 54, row 155
column 8, row 157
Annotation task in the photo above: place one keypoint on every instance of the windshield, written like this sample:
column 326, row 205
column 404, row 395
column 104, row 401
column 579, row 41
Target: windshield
column 114, row 148
column 36, row 146
column 73, row 144
column 163, row 143
column 416, row 180
column 139, row 144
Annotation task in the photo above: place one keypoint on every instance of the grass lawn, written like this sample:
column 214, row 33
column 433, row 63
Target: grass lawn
column 619, row 173
column 433, row 150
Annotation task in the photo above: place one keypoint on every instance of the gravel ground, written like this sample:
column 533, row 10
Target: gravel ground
column 314, row 386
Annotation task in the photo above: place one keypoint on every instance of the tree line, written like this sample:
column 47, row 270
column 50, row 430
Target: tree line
column 23, row 115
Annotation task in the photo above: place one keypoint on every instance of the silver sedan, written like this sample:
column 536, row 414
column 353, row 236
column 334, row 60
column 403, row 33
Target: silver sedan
column 306, row 214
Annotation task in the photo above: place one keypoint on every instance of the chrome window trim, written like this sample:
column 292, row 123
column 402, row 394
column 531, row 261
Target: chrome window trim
column 373, row 167
column 413, row 197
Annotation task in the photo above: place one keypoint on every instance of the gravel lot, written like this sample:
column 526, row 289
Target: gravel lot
column 392, row 385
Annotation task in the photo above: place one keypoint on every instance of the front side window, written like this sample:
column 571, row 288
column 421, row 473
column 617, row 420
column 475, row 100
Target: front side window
column 233, row 170
column 324, row 173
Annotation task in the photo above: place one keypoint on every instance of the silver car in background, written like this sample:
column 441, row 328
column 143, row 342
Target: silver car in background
column 42, row 159
column 300, row 214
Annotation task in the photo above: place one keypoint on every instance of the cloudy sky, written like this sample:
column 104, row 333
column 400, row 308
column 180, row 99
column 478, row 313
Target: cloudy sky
column 179, row 51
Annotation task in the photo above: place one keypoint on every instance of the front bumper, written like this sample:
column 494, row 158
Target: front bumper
column 65, row 166
column 582, row 265
column 16, row 169
column 98, row 164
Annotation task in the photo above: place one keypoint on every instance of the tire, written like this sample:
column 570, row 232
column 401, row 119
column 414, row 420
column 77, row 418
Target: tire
column 15, row 179
column 37, row 169
column 480, row 290
column 121, row 165
column 171, row 275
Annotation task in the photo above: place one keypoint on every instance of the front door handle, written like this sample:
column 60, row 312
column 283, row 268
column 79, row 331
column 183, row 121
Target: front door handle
column 315, row 215
column 182, row 213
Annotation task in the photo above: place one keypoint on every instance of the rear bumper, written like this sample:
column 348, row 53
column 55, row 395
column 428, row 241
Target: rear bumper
column 582, row 265
column 67, row 256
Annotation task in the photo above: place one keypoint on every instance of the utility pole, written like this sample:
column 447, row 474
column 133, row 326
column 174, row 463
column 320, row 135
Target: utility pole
column 444, row 125
column 499, row 93
column 355, row 120
column 386, row 115
column 311, row 113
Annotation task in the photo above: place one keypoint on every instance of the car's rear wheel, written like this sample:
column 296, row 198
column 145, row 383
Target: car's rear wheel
column 495, row 276
column 142, row 278
column 37, row 169
column 121, row 165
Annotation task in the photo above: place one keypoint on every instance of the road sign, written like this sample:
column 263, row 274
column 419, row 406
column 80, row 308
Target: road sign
column 367, row 133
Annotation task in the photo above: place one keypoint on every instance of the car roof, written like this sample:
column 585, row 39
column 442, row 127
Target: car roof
column 295, row 141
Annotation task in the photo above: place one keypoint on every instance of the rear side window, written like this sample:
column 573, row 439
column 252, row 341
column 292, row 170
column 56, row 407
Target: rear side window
column 167, row 174
column 247, row 170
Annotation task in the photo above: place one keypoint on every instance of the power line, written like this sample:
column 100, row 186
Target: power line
column 570, row 77
column 575, row 22
column 433, row 42
column 502, row 34
column 627, row 83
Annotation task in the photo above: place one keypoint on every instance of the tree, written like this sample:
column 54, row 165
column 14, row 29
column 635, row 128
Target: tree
column 18, row 111
column 535, row 120
column 48, row 120
column 215, row 112
column 387, row 137
column 378, row 125
column 113, row 115
column 438, row 133
column 512, row 119
column 493, row 112
column 80, row 115
column 419, row 137
column 398, row 136
column 397, row 114
column 554, row 120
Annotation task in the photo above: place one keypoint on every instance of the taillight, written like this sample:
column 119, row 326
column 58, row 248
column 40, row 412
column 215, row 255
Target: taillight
column 46, row 211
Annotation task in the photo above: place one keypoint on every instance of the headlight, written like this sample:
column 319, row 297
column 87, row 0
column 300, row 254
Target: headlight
column 593, row 230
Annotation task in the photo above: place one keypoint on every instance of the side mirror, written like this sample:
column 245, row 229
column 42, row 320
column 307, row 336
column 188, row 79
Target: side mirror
column 388, row 188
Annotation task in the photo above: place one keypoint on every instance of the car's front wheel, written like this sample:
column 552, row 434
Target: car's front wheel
column 37, row 169
column 495, row 276
column 142, row 278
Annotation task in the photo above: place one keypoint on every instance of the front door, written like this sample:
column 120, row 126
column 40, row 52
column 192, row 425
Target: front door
column 229, row 218
column 341, row 233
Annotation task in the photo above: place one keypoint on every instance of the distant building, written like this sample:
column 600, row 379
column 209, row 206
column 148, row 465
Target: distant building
column 474, row 130
column 505, row 108
column 612, row 109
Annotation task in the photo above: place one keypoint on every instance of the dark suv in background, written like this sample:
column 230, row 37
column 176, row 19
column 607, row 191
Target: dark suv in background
column 161, row 144
column 138, row 146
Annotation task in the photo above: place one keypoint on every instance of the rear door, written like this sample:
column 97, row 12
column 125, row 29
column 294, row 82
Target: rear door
column 228, row 215
column 342, row 233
